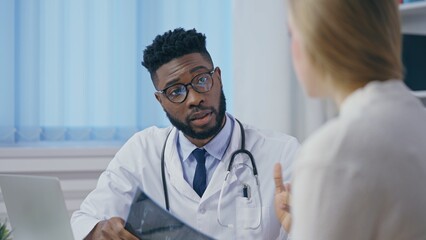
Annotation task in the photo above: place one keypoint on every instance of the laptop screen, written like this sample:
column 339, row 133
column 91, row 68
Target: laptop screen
column 36, row 207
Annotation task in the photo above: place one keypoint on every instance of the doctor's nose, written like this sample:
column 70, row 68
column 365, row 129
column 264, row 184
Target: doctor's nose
column 194, row 97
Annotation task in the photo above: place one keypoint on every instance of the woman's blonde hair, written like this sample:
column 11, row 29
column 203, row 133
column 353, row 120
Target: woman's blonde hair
column 351, row 39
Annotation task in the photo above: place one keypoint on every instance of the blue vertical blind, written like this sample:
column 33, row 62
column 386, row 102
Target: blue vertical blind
column 70, row 70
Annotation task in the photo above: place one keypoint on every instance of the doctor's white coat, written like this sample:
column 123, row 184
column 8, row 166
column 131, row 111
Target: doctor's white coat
column 138, row 165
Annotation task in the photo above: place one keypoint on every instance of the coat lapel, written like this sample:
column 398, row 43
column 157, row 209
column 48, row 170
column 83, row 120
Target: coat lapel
column 174, row 169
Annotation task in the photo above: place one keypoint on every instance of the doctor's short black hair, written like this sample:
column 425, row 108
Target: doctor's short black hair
column 173, row 44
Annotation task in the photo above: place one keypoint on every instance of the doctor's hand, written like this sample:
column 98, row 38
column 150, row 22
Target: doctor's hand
column 110, row 229
column 282, row 199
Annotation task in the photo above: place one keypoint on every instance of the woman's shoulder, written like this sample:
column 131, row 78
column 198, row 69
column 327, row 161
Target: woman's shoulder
column 325, row 143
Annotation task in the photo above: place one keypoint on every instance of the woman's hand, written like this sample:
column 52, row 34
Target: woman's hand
column 282, row 199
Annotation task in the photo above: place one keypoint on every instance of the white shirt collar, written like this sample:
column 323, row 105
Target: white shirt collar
column 216, row 147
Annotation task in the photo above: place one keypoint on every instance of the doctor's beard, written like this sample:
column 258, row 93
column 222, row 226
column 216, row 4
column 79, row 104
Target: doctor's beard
column 208, row 132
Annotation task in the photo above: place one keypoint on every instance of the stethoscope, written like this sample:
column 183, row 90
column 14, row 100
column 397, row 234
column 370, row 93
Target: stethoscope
column 246, row 187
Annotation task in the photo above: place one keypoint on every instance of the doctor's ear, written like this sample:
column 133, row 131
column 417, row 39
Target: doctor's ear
column 218, row 72
column 158, row 97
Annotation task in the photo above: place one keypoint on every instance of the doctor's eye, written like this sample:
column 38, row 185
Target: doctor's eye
column 202, row 80
column 176, row 91
column 202, row 83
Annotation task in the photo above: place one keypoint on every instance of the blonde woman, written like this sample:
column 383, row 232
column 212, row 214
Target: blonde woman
column 363, row 174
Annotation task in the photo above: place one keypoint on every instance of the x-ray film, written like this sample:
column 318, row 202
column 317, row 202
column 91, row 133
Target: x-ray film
column 147, row 220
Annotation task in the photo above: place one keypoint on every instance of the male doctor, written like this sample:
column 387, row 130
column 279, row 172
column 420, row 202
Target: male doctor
column 196, row 152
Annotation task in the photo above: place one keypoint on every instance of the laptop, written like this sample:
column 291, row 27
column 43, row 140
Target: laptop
column 36, row 207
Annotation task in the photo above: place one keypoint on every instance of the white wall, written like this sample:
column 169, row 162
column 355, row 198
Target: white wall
column 266, row 91
column 262, row 64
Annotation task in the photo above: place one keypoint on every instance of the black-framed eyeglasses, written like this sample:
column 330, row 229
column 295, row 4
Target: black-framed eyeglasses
column 201, row 83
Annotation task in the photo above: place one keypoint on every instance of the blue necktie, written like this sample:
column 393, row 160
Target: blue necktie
column 200, row 178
